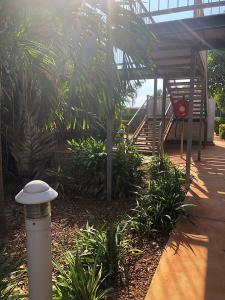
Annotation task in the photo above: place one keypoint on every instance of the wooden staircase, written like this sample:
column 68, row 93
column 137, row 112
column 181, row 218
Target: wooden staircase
column 144, row 138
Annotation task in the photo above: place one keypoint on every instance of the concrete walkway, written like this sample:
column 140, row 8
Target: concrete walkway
column 192, row 266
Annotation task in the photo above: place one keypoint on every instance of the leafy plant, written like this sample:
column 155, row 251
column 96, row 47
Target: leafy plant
column 127, row 173
column 222, row 131
column 108, row 245
column 77, row 281
column 32, row 149
column 218, row 121
column 89, row 165
column 161, row 168
column 60, row 179
column 90, row 168
column 11, row 275
column 163, row 201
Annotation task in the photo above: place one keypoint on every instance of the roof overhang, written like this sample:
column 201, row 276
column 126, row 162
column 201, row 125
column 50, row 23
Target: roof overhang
column 175, row 44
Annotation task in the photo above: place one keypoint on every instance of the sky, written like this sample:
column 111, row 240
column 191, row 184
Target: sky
column 148, row 86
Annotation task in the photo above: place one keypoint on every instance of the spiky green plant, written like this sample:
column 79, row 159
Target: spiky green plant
column 76, row 281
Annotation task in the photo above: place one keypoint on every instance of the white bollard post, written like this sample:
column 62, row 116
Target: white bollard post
column 36, row 197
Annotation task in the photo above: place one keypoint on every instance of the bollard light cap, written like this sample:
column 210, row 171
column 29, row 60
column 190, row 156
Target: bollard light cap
column 36, row 192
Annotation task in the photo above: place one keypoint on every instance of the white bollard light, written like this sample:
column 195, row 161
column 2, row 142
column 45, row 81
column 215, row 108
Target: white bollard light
column 36, row 197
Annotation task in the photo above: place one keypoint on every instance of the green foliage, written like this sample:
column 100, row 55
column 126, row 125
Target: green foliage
column 222, row 131
column 218, row 121
column 162, row 203
column 11, row 275
column 127, row 174
column 162, row 168
column 216, row 67
column 108, row 245
column 93, row 265
column 32, row 150
column 60, row 180
column 90, row 168
column 78, row 282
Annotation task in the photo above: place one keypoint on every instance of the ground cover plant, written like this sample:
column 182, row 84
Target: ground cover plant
column 162, row 203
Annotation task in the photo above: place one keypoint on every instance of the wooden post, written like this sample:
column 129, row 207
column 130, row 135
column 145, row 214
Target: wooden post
column 154, row 117
column 110, row 106
column 182, row 139
column 163, row 116
column 109, row 156
column 190, row 121
column 3, row 221
column 201, row 119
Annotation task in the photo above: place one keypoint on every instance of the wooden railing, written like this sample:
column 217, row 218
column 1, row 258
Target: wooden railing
column 136, row 120
column 169, row 117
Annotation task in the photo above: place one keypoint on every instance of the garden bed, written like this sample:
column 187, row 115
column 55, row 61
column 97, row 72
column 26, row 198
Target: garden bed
column 67, row 216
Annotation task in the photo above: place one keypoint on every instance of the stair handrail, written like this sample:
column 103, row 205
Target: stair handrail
column 138, row 130
column 137, row 113
column 168, row 125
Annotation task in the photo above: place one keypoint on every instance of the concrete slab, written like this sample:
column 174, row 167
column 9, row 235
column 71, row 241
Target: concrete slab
column 192, row 266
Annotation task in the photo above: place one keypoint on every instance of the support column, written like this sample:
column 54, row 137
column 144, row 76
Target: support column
column 190, row 122
column 109, row 156
column 163, row 116
column 201, row 119
column 154, row 117
column 206, row 111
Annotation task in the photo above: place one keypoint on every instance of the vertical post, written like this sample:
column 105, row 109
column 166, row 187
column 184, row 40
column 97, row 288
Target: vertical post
column 110, row 61
column 182, row 139
column 206, row 111
column 36, row 197
column 190, row 121
column 163, row 116
column 154, row 117
column 109, row 157
column 3, row 222
column 201, row 119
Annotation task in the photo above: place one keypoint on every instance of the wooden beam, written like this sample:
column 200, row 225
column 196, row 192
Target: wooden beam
column 190, row 121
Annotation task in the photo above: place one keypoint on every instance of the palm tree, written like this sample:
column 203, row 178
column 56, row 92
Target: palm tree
column 61, row 53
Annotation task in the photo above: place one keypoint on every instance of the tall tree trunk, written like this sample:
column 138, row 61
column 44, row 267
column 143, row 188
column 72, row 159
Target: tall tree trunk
column 3, row 225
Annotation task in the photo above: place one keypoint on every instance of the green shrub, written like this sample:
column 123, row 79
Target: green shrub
column 109, row 245
column 222, row 131
column 218, row 121
column 78, row 282
column 93, row 265
column 11, row 276
column 90, row 161
column 161, row 168
column 162, row 203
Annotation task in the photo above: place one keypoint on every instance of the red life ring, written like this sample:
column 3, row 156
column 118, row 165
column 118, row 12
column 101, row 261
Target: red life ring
column 180, row 108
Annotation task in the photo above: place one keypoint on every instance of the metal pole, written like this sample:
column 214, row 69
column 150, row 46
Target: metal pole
column 36, row 197
column 182, row 139
column 154, row 117
column 163, row 116
column 190, row 121
column 201, row 120
column 109, row 157
column 110, row 61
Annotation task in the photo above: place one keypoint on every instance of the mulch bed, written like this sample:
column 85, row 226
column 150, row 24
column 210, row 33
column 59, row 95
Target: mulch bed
column 67, row 216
